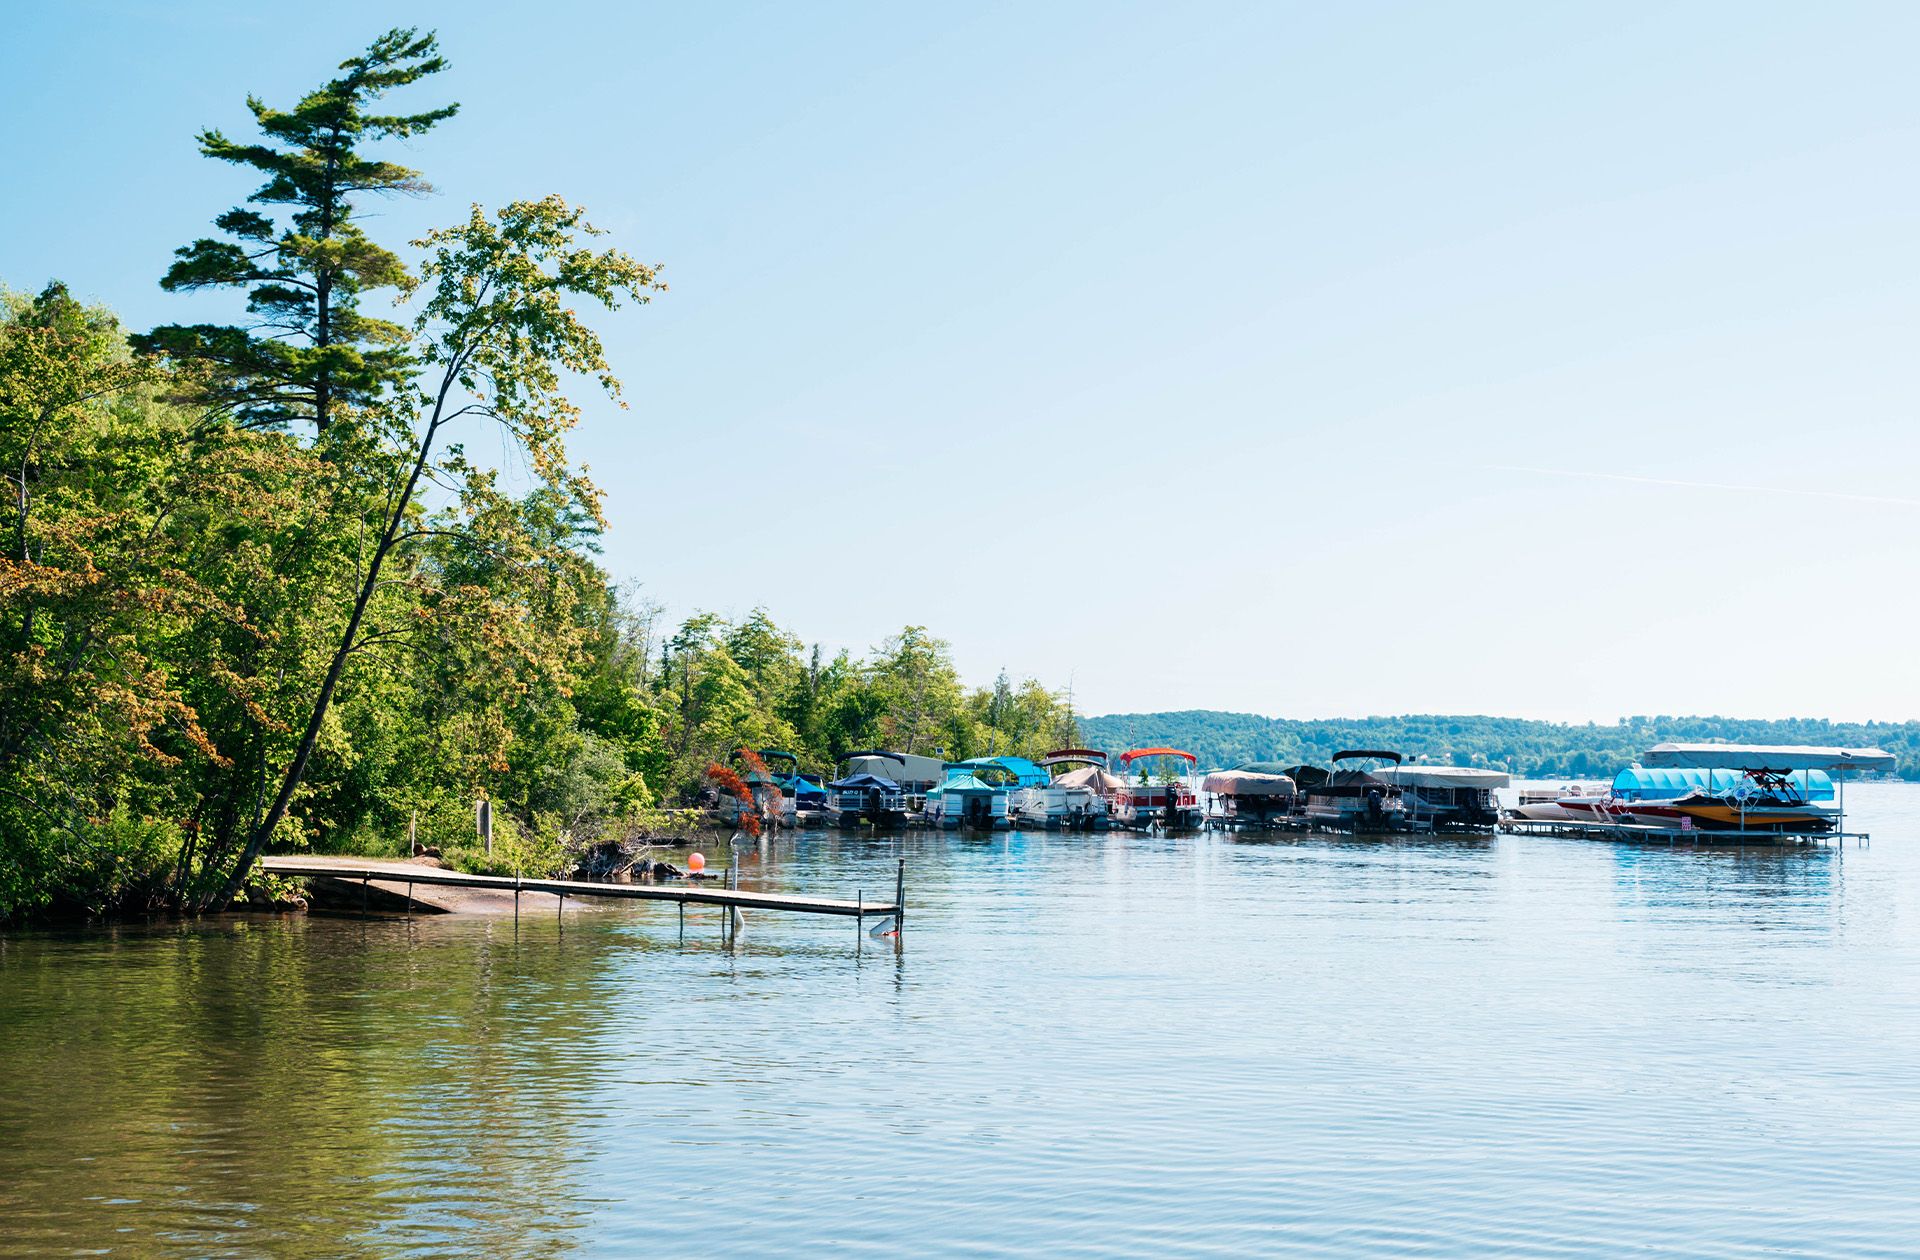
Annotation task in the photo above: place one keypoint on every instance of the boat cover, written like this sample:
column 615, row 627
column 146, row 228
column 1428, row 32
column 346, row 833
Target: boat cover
column 964, row 783
column 853, row 781
column 1444, row 776
column 1093, row 777
column 1776, row 757
column 1246, row 782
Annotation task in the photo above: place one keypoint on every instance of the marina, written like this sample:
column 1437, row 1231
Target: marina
column 1674, row 793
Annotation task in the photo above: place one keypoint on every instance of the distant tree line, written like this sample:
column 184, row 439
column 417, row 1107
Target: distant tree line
column 1522, row 747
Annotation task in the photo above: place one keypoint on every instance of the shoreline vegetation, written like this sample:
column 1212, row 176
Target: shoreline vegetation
column 256, row 595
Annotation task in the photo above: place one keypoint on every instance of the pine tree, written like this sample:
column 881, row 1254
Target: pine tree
column 308, row 351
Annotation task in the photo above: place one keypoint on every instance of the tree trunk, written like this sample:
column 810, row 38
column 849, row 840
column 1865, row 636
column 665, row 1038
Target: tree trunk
column 297, row 770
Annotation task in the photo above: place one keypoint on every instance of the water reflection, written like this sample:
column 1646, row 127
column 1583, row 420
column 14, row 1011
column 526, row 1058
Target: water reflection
column 1307, row 1044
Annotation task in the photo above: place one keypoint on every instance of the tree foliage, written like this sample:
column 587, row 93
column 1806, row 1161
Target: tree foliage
column 255, row 592
column 309, row 350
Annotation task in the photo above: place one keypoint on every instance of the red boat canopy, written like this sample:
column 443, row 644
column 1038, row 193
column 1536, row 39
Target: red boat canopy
column 1128, row 758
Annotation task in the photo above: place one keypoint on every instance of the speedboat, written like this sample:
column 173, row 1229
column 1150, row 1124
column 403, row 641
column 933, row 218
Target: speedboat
column 1539, row 804
column 1711, row 800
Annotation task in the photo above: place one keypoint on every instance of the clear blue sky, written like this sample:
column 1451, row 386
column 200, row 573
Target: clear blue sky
column 1224, row 356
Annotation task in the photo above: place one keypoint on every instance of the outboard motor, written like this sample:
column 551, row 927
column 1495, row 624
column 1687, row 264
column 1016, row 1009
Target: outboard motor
column 1374, row 798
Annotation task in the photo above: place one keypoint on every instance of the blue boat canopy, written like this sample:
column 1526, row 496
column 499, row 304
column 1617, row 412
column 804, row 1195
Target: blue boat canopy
column 1644, row 783
column 854, row 781
column 1024, row 772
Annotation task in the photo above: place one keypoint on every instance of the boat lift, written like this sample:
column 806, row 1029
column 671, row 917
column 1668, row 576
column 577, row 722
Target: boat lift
column 1837, row 763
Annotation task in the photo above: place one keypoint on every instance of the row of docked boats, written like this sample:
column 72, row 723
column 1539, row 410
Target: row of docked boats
column 1083, row 789
column 1674, row 787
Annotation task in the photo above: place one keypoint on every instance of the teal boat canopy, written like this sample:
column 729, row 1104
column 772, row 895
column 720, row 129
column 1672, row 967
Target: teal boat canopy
column 1645, row 783
column 1024, row 772
column 964, row 783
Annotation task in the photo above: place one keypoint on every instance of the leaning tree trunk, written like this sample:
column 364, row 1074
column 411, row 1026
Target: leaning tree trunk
column 297, row 769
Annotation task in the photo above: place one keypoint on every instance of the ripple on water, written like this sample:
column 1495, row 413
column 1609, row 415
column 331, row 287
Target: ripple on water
column 1088, row 1046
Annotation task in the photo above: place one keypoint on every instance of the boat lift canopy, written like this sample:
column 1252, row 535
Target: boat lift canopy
column 1780, row 758
column 1023, row 772
column 1644, row 783
column 1245, row 781
column 1071, row 756
column 1444, row 777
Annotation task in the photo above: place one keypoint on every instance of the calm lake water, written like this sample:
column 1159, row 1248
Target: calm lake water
column 1085, row 1046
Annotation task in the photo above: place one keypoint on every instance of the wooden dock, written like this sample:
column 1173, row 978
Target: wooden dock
column 388, row 875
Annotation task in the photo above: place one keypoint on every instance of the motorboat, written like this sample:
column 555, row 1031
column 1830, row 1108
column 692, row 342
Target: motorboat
column 966, row 800
column 1712, row 799
column 1447, row 798
column 1078, row 795
column 916, row 775
column 1172, row 803
column 1545, row 804
column 1349, row 798
column 862, row 796
column 1258, row 794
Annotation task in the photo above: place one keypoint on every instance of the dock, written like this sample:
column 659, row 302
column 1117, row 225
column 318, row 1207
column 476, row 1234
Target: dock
column 390, row 876
column 1644, row 834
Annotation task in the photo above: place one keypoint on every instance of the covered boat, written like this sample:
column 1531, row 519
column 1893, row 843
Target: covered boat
column 866, row 798
column 1257, row 794
column 964, row 799
column 1172, row 803
column 1066, row 790
column 1757, row 760
column 1448, row 798
column 917, row 775
column 1347, row 798
column 1713, row 799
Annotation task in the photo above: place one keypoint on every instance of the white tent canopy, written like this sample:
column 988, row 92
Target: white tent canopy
column 1443, row 776
column 1779, row 757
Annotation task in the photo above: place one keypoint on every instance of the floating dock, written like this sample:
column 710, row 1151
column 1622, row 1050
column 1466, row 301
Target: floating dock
column 1642, row 834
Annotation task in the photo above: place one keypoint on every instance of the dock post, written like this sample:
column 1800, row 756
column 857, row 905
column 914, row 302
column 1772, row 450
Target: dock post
column 683, row 920
column 900, row 896
column 733, row 882
column 859, row 917
column 363, row 894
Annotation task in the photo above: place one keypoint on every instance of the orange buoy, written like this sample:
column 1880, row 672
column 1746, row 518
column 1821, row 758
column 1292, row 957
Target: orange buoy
column 696, row 861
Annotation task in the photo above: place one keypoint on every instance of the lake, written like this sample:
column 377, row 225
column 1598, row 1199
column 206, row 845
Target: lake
column 1117, row 1045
